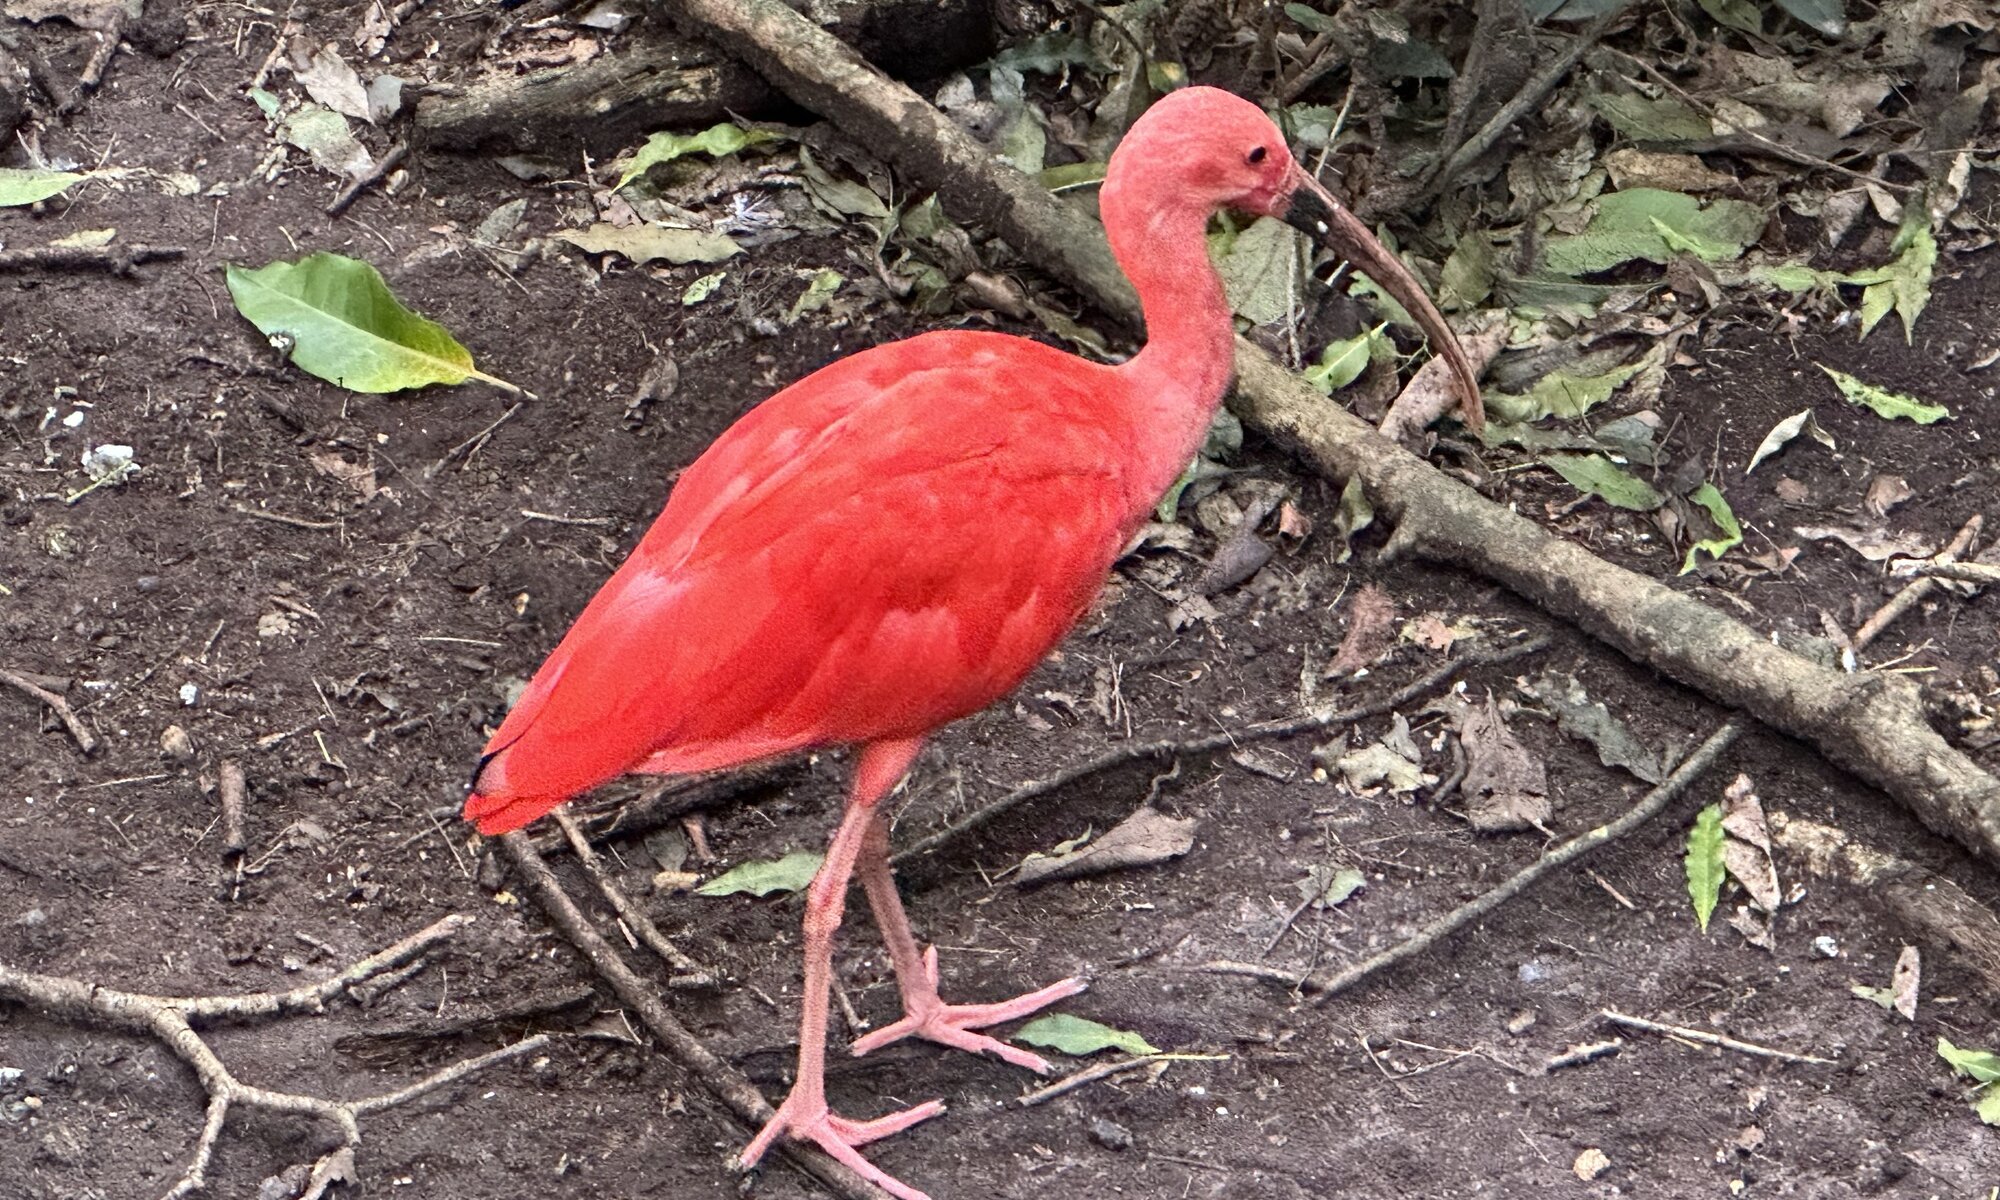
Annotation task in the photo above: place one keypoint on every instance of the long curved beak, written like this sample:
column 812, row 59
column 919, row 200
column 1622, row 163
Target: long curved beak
column 1314, row 211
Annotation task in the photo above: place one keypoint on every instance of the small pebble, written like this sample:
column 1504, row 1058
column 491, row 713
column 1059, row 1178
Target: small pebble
column 1825, row 946
column 190, row 695
column 176, row 745
column 1110, row 1134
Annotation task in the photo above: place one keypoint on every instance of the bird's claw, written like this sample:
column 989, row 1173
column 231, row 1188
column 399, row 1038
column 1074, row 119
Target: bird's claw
column 926, row 1016
column 810, row 1120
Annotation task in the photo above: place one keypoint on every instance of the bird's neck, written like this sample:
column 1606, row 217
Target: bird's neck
column 1176, row 382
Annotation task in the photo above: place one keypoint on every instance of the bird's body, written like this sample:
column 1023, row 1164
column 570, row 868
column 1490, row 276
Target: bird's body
column 893, row 543
column 870, row 554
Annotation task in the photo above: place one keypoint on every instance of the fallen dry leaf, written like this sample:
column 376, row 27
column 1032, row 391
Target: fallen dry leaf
column 1875, row 545
column 1506, row 787
column 360, row 477
column 1370, row 632
column 1144, row 839
column 1886, row 492
column 1903, row 984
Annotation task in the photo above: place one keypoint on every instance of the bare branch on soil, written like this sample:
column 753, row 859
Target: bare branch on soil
column 361, row 183
column 1712, row 1039
column 1651, row 805
column 1919, row 589
column 171, row 1019
column 691, row 974
column 118, row 260
column 1228, row 739
column 86, row 741
column 722, row 1080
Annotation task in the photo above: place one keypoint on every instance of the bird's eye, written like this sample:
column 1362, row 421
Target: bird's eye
column 1256, row 155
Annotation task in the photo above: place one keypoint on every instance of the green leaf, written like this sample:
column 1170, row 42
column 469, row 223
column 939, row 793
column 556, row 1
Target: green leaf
column 347, row 327
column 1048, row 54
column 1325, row 887
column 1876, row 995
column 1561, row 394
column 1988, row 1107
column 21, row 185
column 1072, row 175
column 837, row 197
column 1637, row 223
column 717, row 141
column 1260, row 271
column 1704, row 863
column 1980, row 1065
column 788, row 874
column 1077, row 1036
column 1468, row 274
column 1884, row 403
column 1644, row 120
column 1343, row 361
column 1314, row 20
column 1605, row 479
column 1905, row 283
column 1740, row 15
column 816, row 295
column 701, row 289
column 652, row 243
column 1827, row 16
column 1710, row 498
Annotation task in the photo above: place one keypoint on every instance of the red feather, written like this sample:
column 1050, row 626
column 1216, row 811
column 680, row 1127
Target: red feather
column 885, row 546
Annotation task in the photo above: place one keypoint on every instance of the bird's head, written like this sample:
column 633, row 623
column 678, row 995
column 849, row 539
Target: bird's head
column 1220, row 151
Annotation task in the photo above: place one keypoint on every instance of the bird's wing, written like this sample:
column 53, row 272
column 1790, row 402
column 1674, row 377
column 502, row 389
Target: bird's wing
column 878, row 550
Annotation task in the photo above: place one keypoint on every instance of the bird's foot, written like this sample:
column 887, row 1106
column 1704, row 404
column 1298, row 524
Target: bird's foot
column 926, row 1016
column 809, row 1120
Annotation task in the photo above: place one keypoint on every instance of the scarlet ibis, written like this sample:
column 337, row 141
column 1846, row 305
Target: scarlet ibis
column 894, row 542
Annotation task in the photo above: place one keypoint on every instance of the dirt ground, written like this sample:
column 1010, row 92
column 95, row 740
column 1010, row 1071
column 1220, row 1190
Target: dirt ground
column 351, row 660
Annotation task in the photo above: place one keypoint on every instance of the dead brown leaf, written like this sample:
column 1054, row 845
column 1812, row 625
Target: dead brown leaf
column 1146, row 838
column 1886, row 492
column 1506, row 786
column 1903, row 984
column 1370, row 633
column 359, row 477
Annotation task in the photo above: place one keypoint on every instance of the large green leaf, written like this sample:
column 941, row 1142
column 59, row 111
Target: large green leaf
column 1884, row 403
column 1078, row 1036
column 1644, row 120
column 1980, row 1065
column 1561, row 394
column 1605, row 479
column 19, row 185
column 1654, row 225
column 1704, row 863
column 348, row 328
column 788, row 874
column 1904, row 284
column 1343, row 361
column 717, row 141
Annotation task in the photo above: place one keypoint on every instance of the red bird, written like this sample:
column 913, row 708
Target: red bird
column 894, row 542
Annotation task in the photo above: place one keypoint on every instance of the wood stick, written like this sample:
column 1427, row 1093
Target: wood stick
column 1651, row 805
column 86, row 741
column 1713, row 1039
column 723, row 1081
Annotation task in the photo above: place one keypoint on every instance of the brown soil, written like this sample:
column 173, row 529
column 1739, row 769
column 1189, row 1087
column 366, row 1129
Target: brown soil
column 352, row 669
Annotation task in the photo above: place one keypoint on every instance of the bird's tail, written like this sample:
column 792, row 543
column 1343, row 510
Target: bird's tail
column 492, row 806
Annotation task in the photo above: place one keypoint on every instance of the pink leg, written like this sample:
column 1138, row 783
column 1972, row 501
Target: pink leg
column 925, row 1015
column 804, row 1113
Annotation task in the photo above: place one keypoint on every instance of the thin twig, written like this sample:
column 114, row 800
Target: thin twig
column 374, row 175
column 692, row 974
column 1917, row 590
column 1971, row 572
column 282, row 518
column 471, row 445
column 1650, row 806
column 722, row 1080
column 231, row 788
column 86, row 741
column 1228, row 739
column 1077, row 1079
column 118, row 260
column 1713, row 1039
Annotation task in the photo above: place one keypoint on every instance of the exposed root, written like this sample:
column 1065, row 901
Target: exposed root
column 172, row 1019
